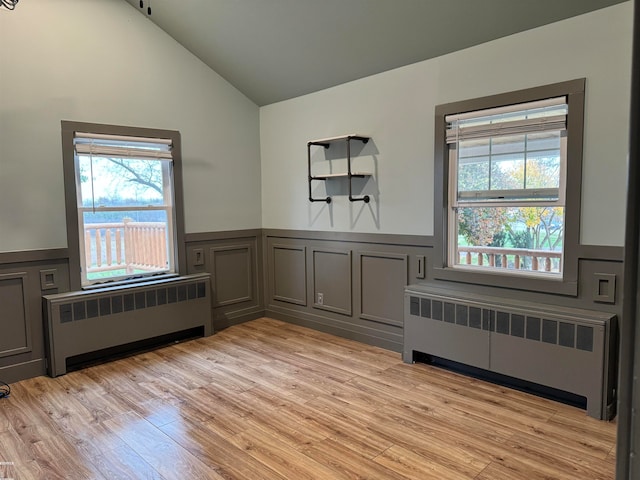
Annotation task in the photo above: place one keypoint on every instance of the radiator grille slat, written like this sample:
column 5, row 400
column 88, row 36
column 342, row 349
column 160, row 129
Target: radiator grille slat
column 550, row 331
column 475, row 317
column 517, row 325
column 502, row 325
column 567, row 334
column 533, row 328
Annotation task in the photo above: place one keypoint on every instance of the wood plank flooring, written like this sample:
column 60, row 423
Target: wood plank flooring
column 271, row 400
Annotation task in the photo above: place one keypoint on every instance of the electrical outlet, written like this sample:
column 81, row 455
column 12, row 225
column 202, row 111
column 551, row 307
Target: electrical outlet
column 320, row 299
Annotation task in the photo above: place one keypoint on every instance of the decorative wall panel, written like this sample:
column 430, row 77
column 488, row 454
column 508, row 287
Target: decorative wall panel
column 233, row 275
column 16, row 331
column 383, row 277
column 289, row 274
column 332, row 280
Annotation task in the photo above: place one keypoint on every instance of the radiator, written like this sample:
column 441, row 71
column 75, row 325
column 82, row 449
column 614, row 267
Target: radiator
column 568, row 349
column 88, row 321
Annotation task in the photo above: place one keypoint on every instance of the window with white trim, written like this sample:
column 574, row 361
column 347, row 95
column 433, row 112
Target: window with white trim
column 125, row 204
column 507, row 171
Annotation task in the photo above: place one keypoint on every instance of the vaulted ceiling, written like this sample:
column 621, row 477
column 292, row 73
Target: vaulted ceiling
column 273, row 50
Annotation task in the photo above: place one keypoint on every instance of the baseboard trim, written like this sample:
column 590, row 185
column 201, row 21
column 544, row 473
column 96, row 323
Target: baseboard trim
column 369, row 336
column 23, row 371
column 236, row 318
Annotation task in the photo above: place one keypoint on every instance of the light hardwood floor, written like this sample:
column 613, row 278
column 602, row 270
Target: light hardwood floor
column 271, row 400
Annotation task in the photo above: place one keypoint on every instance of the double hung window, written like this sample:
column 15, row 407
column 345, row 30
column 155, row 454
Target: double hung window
column 508, row 175
column 507, row 187
column 124, row 193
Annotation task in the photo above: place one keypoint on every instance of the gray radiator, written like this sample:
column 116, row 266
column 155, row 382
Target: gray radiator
column 87, row 321
column 563, row 348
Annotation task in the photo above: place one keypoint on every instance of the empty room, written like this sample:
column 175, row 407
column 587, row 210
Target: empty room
column 297, row 239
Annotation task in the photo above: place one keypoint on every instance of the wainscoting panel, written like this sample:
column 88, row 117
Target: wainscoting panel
column 290, row 274
column 332, row 280
column 16, row 330
column 360, row 277
column 234, row 260
column 24, row 278
column 233, row 274
column 383, row 277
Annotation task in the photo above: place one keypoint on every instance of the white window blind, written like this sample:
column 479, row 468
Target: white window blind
column 544, row 115
column 509, row 154
column 122, row 147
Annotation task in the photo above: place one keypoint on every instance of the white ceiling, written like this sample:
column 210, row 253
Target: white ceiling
column 273, row 50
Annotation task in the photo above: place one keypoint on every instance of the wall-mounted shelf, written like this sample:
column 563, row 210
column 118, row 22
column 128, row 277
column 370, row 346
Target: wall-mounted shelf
column 326, row 143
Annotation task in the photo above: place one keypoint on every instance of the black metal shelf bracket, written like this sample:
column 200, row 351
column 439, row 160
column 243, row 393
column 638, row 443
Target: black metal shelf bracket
column 326, row 143
column 311, row 199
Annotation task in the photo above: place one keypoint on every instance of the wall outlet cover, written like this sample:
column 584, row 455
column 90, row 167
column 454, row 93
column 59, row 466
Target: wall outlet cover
column 604, row 288
column 198, row 257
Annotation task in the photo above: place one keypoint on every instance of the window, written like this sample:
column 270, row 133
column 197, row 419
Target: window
column 124, row 196
column 506, row 201
column 509, row 167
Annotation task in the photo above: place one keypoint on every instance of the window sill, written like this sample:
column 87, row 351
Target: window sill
column 523, row 281
column 130, row 282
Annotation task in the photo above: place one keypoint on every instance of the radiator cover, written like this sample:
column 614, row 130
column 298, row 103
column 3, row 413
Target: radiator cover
column 563, row 348
column 87, row 321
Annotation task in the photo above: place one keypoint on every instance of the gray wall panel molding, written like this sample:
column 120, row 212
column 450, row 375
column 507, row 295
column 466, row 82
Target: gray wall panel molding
column 222, row 235
column 22, row 322
column 34, row 256
column 382, row 279
column 16, row 326
column 237, row 266
column 23, row 370
column 584, row 299
column 381, row 323
column 524, row 283
column 289, row 273
column 379, row 238
column 232, row 269
column 601, row 252
column 224, row 320
column 332, row 278
column 391, row 340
